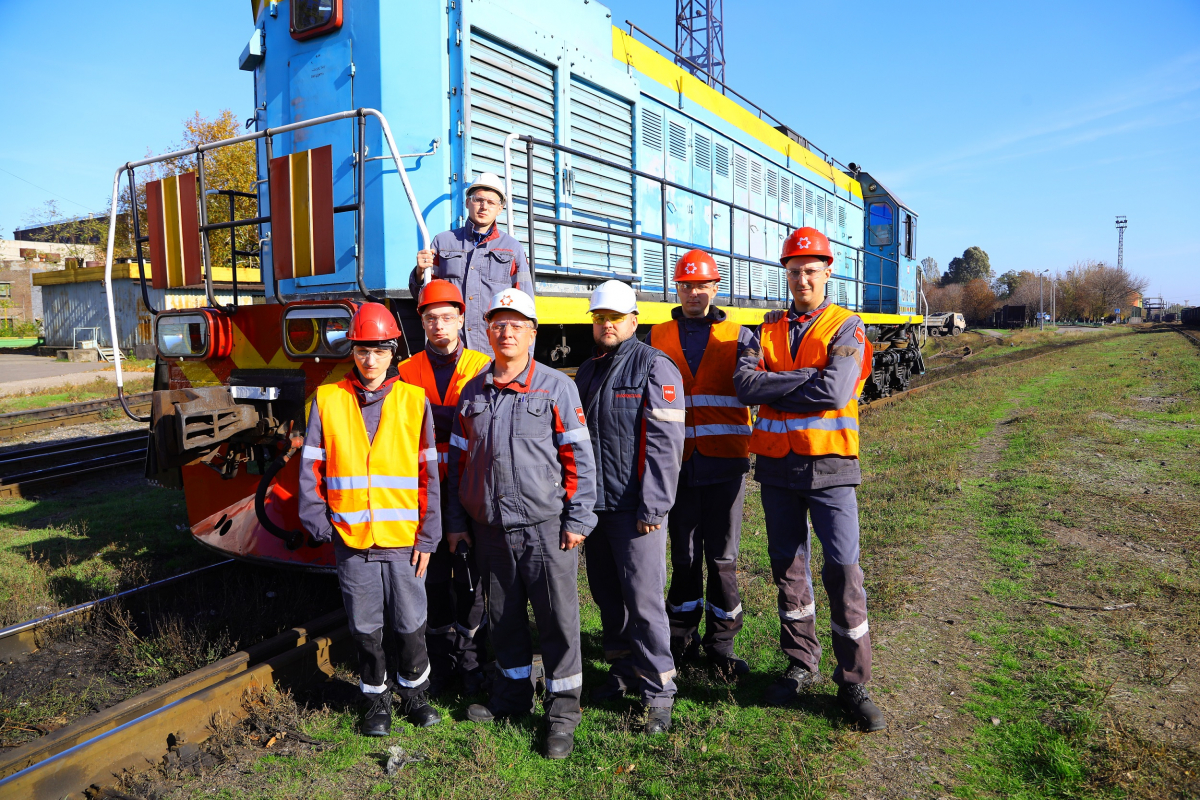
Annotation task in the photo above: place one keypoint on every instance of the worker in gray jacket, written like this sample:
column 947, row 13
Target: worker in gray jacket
column 478, row 258
column 520, row 467
column 805, row 370
column 633, row 399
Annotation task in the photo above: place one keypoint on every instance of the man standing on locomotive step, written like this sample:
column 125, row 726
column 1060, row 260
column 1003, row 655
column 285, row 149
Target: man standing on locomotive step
column 367, row 472
column 805, row 371
column 633, row 399
column 705, row 524
column 477, row 258
column 521, row 472
column 456, row 636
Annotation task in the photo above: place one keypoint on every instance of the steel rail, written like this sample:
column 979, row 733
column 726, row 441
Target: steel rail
column 135, row 733
column 91, row 444
column 20, row 638
column 33, row 483
column 17, row 422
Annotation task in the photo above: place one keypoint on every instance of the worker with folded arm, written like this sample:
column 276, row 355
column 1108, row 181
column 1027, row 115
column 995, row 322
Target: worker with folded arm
column 368, row 483
column 456, row 636
column 522, row 486
column 705, row 524
column 805, row 372
column 478, row 258
column 634, row 404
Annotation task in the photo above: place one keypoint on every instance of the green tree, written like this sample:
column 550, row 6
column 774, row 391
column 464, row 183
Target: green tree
column 930, row 272
column 973, row 263
column 81, row 235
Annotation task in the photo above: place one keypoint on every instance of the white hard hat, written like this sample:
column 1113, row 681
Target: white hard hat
column 492, row 181
column 614, row 296
column 513, row 300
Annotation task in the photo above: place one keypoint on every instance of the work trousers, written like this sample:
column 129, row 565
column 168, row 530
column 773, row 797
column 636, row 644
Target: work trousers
column 457, row 632
column 834, row 513
column 627, row 573
column 386, row 606
column 525, row 566
column 706, row 528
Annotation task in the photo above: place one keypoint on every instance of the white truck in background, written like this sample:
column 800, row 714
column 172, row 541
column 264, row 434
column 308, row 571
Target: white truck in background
column 945, row 323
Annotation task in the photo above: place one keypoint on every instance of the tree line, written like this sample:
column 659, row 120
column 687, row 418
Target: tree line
column 1089, row 290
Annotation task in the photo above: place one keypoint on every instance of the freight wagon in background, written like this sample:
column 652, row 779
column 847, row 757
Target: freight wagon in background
column 1190, row 316
column 371, row 120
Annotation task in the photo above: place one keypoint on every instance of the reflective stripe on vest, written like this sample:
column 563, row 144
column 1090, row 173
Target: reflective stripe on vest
column 819, row 433
column 418, row 371
column 373, row 487
column 717, row 424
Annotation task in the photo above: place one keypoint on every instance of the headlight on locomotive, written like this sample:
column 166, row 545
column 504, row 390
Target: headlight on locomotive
column 317, row 331
column 194, row 334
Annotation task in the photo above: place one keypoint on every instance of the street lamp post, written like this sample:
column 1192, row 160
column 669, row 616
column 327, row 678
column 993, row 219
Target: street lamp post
column 1041, row 301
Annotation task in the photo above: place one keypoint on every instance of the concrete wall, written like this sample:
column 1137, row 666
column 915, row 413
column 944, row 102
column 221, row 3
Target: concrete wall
column 10, row 250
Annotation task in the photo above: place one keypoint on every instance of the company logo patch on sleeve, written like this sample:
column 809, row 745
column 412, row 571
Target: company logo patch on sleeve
column 582, row 418
column 669, row 392
column 858, row 334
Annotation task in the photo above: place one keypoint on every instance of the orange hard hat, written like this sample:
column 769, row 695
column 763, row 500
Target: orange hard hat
column 806, row 242
column 440, row 291
column 373, row 322
column 696, row 265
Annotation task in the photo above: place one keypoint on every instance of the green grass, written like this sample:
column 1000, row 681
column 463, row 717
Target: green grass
column 99, row 389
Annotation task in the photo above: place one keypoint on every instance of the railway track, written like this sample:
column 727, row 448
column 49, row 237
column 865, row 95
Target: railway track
column 33, row 470
column 18, row 423
column 22, row 638
column 142, row 729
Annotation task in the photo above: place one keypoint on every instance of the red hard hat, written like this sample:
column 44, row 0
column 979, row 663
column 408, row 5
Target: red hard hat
column 696, row 265
column 373, row 323
column 440, row 291
column 806, row 242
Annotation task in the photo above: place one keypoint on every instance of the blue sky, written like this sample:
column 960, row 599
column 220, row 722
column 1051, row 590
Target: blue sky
column 1023, row 128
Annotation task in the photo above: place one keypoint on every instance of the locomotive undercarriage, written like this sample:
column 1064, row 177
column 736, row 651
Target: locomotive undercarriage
column 897, row 358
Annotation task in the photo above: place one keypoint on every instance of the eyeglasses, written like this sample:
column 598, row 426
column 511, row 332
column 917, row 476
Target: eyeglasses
column 434, row 320
column 796, row 274
column 368, row 353
column 499, row 327
column 604, row 319
column 485, row 202
column 696, row 286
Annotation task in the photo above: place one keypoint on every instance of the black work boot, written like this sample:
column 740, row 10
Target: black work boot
column 685, row 650
column 559, row 744
column 729, row 665
column 658, row 720
column 419, row 712
column 378, row 719
column 613, row 688
column 478, row 712
column 788, row 687
column 858, row 704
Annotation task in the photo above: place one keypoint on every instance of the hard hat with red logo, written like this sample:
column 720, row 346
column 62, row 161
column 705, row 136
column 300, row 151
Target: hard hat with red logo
column 440, row 291
column 696, row 265
column 513, row 300
column 374, row 323
column 806, row 242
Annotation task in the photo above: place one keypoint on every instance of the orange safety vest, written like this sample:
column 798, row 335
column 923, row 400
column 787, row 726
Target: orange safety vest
column 819, row 433
column 717, row 424
column 419, row 372
column 373, row 486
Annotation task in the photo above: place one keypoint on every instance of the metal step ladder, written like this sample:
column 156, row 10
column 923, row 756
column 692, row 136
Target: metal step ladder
column 107, row 353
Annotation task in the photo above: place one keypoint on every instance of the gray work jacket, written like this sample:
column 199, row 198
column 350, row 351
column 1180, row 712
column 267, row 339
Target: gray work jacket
column 520, row 455
column 480, row 271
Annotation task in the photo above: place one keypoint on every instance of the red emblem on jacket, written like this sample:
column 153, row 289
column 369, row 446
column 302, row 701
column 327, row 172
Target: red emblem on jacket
column 582, row 418
column 858, row 334
column 669, row 392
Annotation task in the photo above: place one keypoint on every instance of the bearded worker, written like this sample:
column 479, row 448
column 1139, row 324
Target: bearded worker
column 633, row 399
column 806, row 371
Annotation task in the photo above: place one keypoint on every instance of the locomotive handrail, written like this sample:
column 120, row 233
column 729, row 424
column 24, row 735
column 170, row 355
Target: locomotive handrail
column 531, row 141
column 198, row 151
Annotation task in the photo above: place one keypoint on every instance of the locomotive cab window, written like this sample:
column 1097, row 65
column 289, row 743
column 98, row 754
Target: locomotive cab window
column 879, row 216
column 314, row 17
column 910, row 236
